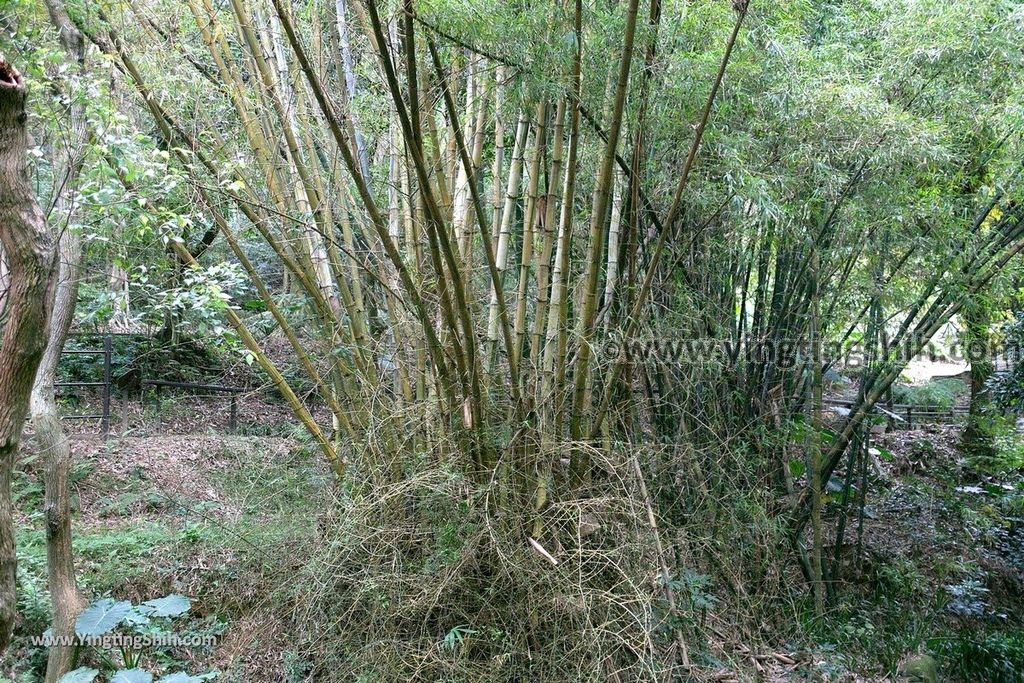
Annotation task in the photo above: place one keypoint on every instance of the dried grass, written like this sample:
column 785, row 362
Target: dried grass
column 417, row 581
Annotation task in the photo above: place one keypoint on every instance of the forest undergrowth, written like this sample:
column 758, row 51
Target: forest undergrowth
column 417, row 580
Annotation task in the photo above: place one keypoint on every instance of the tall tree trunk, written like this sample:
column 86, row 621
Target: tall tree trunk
column 614, row 229
column 52, row 441
column 977, row 440
column 28, row 252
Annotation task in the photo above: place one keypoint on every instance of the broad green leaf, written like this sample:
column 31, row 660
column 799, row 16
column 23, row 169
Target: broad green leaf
column 138, row 616
column 132, row 676
column 172, row 605
column 80, row 675
column 181, row 677
column 101, row 616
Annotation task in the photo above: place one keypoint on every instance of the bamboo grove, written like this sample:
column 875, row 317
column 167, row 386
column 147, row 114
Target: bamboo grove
column 479, row 239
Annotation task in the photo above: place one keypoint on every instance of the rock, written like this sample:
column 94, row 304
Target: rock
column 921, row 669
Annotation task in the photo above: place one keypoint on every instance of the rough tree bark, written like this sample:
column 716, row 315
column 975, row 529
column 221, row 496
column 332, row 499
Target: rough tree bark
column 977, row 440
column 28, row 251
column 52, row 441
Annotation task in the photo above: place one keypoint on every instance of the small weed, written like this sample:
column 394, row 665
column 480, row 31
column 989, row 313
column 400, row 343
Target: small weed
column 899, row 579
column 296, row 667
column 456, row 637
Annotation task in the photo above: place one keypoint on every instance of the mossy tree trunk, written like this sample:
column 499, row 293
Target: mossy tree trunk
column 24, row 312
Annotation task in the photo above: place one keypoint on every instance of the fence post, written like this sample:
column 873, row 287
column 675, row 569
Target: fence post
column 107, row 353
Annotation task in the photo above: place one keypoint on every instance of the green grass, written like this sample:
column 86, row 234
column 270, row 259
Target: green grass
column 874, row 631
column 123, row 554
column 108, row 557
column 971, row 655
column 281, row 487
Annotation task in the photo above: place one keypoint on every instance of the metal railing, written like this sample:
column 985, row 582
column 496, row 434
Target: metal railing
column 904, row 415
column 106, row 385
column 107, row 353
column 233, row 393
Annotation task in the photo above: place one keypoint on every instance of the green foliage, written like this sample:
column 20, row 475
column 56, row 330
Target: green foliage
column 135, row 358
column 132, row 544
column 88, row 675
column 103, row 616
column 916, row 94
column 695, row 589
column 922, row 449
column 900, row 580
column 968, row 598
column 1007, row 453
column 297, row 667
column 1007, row 388
column 941, row 393
column 180, row 677
column 197, row 304
column 168, row 606
column 150, row 618
column 34, row 605
column 456, row 636
column 997, row 657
